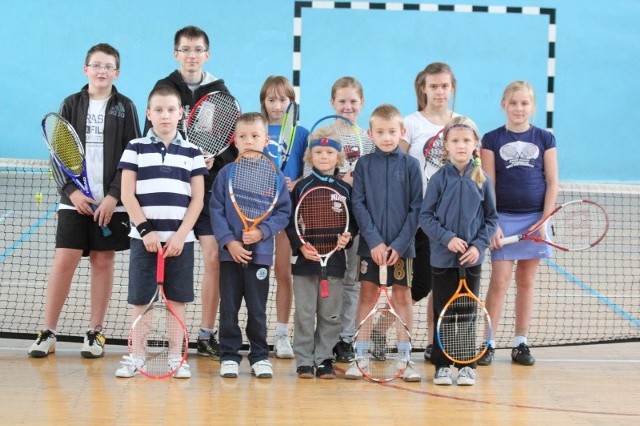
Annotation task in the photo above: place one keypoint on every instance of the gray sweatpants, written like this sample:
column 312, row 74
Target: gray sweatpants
column 350, row 293
column 316, row 319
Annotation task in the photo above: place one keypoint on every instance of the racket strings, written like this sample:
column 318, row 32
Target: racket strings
column 462, row 329
column 255, row 185
column 321, row 218
column 578, row 225
column 434, row 156
column 64, row 145
column 212, row 123
column 287, row 131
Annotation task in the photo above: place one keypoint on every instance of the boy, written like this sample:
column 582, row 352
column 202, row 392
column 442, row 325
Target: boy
column 244, row 273
column 317, row 322
column 387, row 194
column 158, row 168
column 191, row 50
column 105, row 121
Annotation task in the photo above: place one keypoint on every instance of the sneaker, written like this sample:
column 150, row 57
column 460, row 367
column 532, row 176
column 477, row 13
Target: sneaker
column 343, row 351
column 262, row 369
column 305, row 372
column 409, row 374
column 428, row 351
column 521, row 355
column 182, row 372
column 209, row 347
column 283, row 347
column 129, row 366
column 325, row 370
column 44, row 345
column 353, row 372
column 379, row 350
column 229, row 369
column 93, row 346
column 443, row 376
column 487, row 357
column 466, row 376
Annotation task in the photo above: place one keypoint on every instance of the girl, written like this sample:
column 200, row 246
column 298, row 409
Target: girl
column 317, row 320
column 435, row 88
column 521, row 160
column 459, row 216
column 275, row 95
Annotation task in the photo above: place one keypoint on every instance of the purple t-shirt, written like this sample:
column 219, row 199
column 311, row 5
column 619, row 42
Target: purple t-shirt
column 519, row 163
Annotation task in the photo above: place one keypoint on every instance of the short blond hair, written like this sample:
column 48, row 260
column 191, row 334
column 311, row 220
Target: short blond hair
column 386, row 112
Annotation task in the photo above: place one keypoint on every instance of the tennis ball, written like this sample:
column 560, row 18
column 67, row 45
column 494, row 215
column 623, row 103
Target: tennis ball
column 38, row 197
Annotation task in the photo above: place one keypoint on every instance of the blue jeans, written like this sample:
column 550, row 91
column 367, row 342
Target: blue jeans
column 252, row 284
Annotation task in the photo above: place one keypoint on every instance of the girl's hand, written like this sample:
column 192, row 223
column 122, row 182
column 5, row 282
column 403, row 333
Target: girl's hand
column 495, row 241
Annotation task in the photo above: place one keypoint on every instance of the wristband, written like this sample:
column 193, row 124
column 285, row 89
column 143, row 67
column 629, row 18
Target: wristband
column 144, row 228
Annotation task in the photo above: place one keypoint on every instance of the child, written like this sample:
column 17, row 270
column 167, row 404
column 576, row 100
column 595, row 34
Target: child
column 275, row 96
column 158, row 168
column 387, row 193
column 250, row 281
column 459, row 217
column 347, row 100
column 191, row 50
column 105, row 121
column 317, row 320
column 521, row 160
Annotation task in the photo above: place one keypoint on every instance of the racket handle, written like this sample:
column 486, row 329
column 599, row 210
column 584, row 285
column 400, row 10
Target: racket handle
column 324, row 288
column 106, row 232
column 510, row 240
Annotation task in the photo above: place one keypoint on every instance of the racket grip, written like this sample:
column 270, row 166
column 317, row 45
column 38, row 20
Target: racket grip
column 324, row 288
column 106, row 232
column 510, row 240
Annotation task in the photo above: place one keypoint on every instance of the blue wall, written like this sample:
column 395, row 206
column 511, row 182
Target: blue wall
column 595, row 91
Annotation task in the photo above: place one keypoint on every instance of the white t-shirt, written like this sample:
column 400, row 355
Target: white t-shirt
column 94, row 147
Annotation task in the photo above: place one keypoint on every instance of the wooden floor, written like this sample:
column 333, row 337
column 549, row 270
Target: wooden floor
column 594, row 385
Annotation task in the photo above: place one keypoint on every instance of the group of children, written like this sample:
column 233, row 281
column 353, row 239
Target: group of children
column 423, row 222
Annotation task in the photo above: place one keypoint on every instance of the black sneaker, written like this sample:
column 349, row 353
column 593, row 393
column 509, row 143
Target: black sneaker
column 521, row 355
column 209, row 347
column 379, row 350
column 487, row 357
column 325, row 370
column 428, row 351
column 305, row 372
column 343, row 351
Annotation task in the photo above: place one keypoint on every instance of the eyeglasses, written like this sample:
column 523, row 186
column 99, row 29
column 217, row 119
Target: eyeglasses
column 106, row 68
column 198, row 51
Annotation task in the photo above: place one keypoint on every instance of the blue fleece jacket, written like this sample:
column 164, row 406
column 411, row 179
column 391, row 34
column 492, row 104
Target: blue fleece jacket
column 454, row 206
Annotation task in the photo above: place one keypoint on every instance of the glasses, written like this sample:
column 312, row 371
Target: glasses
column 105, row 68
column 198, row 51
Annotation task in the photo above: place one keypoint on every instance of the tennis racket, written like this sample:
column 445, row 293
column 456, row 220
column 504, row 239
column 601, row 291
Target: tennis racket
column 288, row 132
column 158, row 335
column 211, row 125
column 573, row 226
column 433, row 154
column 387, row 352
column 321, row 216
column 344, row 131
column 254, row 188
column 68, row 154
column 463, row 324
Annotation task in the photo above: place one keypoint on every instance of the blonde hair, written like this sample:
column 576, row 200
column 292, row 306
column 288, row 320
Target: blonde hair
column 387, row 112
column 461, row 122
column 344, row 82
column 254, row 117
column 324, row 132
column 421, row 79
column 278, row 85
column 517, row 86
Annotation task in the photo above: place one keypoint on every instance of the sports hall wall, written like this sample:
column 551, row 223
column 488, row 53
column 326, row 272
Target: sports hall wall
column 581, row 56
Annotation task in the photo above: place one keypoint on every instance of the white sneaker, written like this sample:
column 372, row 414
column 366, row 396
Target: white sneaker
column 283, row 347
column 229, row 369
column 44, row 345
column 354, row 372
column 443, row 376
column 93, row 346
column 262, row 369
column 466, row 376
column 183, row 372
column 409, row 374
column 129, row 366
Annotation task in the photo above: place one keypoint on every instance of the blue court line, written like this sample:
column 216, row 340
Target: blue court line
column 32, row 230
column 603, row 299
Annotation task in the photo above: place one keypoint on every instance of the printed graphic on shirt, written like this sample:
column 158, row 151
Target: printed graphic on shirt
column 94, row 151
column 519, row 153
